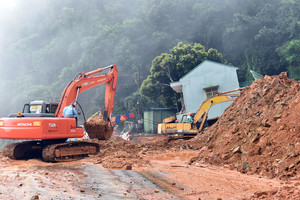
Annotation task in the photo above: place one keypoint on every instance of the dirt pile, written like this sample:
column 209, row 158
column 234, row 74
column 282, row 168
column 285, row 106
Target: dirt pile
column 98, row 128
column 119, row 153
column 259, row 132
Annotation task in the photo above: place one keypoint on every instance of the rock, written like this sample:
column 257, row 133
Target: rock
column 237, row 150
column 256, row 138
column 245, row 165
column 35, row 197
column 128, row 167
column 291, row 166
column 225, row 156
column 276, row 117
column 265, row 123
column 156, row 191
column 260, row 194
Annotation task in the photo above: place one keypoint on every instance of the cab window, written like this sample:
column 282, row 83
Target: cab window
column 53, row 108
column 26, row 108
column 35, row 108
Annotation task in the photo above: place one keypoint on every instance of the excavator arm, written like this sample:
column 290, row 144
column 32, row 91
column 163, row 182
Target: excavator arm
column 89, row 80
column 205, row 106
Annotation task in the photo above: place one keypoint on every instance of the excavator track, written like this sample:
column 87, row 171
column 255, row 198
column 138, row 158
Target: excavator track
column 51, row 150
column 180, row 136
column 23, row 150
column 69, row 151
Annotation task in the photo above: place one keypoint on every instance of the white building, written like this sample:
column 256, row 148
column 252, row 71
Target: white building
column 204, row 81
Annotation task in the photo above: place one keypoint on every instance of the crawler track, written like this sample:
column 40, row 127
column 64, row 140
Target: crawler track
column 69, row 151
column 23, row 150
column 51, row 150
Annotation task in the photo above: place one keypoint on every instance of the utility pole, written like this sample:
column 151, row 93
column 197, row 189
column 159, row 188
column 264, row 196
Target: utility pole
column 138, row 103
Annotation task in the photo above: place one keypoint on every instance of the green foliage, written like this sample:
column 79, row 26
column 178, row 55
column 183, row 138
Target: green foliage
column 171, row 67
column 258, row 29
column 42, row 49
column 137, row 103
column 291, row 53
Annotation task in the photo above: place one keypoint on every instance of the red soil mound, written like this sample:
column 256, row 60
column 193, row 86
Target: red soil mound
column 259, row 132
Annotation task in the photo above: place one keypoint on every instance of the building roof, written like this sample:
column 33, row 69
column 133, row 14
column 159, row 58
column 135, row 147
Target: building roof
column 176, row 86
column 208, row 61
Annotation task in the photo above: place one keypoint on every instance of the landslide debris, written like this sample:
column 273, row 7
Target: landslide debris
column 259, row 132
column 118, row 153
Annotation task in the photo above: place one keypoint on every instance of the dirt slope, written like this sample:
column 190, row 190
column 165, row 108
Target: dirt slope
column 259, row 132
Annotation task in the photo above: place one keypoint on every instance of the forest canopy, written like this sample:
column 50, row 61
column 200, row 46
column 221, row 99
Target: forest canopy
column 44, row 44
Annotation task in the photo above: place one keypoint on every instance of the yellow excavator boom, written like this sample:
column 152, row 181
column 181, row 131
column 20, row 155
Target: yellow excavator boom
column 218, row 98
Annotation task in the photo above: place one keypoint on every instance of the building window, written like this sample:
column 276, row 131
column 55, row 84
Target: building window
column 211, row 91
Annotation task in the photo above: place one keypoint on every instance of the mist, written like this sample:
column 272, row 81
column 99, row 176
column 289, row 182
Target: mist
column 45, row 43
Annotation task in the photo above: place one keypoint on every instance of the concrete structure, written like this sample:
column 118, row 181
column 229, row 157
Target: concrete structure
column 204, row 81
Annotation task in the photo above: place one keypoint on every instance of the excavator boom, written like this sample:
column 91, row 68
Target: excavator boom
column 89, row 80
column 218, row 98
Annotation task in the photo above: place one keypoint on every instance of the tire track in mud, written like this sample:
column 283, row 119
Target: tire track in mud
column 76, row 181
column 123, row 184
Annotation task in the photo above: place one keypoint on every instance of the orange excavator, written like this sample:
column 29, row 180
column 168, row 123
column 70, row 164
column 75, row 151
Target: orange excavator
column 46, row 130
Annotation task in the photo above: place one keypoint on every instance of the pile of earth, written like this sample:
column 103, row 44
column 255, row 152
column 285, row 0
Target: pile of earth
column 259, row 132
column 118, row 153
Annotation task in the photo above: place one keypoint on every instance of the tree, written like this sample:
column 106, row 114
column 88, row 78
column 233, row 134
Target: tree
column 170, row 67
column 257, row 30
column 290, row 52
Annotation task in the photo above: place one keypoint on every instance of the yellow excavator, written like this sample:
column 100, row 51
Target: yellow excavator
column 176, row 129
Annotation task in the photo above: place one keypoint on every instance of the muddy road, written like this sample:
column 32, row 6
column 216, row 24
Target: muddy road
column 34, row 179
column 169, row 177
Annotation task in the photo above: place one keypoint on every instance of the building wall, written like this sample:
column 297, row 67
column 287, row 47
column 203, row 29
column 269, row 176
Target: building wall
column 208, row 74
column 154, row 116
column 148, row 121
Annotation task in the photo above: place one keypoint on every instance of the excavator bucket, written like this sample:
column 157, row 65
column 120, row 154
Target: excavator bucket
column 96, row 127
